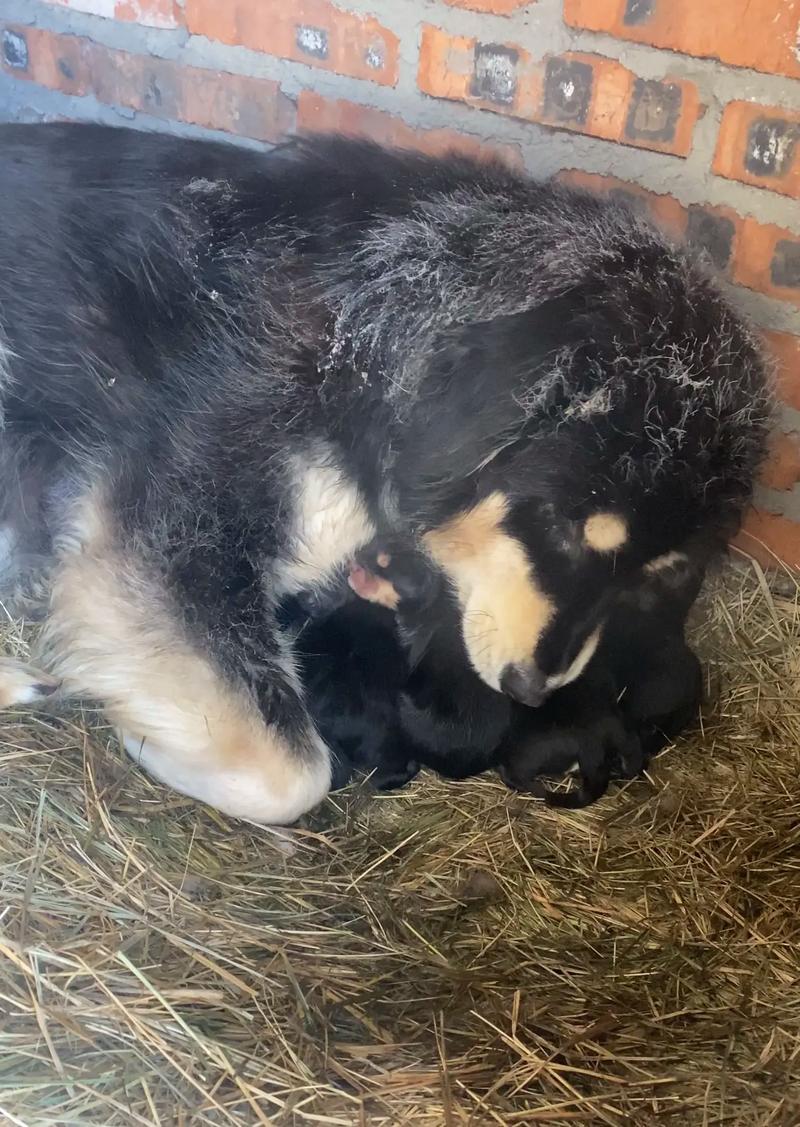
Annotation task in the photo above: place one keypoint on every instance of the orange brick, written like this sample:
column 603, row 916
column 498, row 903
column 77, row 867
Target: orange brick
column 770, row 539
column 760, row 145
column 585, row 93
column 309, row 31
column 151, row 13
column 768, row 260
column 785, row 349
column 316, row 114
column 247, row 107
column 155, row 13
column 782, row 469
column 497, row 7
column 761, row 34
column 759, row 256
column 666, row 211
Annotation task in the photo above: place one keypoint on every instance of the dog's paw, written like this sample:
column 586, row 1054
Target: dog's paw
column 22, row 685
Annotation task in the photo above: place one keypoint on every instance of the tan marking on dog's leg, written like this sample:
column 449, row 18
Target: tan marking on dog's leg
column 112, row 635
column 504, row 610
column 21, row 684
column 605, row 532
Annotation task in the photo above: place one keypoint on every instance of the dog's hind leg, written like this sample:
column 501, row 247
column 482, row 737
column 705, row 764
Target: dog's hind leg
column 220, row 721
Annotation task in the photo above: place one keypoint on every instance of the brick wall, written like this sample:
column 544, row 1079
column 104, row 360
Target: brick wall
column 689, row 109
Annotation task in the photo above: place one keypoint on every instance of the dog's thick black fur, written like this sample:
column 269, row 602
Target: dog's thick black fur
column 224, row 372
column 391, row 693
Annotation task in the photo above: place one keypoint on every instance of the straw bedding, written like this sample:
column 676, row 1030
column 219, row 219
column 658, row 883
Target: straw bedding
column 451, row 954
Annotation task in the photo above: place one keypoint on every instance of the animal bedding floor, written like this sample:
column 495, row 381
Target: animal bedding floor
column 452, row 954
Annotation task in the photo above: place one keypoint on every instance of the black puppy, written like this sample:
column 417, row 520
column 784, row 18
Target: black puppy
column 391, row 695
column 642, row 688
column 387, row 678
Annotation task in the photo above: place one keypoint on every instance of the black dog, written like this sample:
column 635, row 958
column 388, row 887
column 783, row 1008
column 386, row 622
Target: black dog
column 391, row 694
column 225, row 372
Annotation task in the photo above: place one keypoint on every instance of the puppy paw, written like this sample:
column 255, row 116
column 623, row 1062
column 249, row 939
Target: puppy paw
column 391, row 571
column 372, row 587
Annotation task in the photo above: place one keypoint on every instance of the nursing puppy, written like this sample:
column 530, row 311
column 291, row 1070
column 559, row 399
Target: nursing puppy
column 642, row 688
column 388, row 683
column 390, row 696
column 224, row 372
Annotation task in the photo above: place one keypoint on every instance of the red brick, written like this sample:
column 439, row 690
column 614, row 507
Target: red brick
column 585, row 93
column 782, row 469
column 760, row 145
column 316, row 114
column 247, row 107
column 151, row 13
column 770, row 539
column 716, row 230
column 761, row 34
column 496, row 7
column 785, row 350
column 666, row 211
column 759, row 256
column 309, row 31
column 768, row 260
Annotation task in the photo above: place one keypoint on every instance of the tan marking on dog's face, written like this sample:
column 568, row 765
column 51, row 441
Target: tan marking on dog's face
column 504, row 610
column 112, row 636
column 605, row 532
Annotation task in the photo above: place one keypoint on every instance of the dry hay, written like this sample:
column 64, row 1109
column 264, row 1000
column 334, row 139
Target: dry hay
column 448, row 955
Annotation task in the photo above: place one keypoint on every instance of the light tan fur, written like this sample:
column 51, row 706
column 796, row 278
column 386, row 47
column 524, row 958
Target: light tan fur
column 330, row 523
column 111, row 635
column 22, row 684
column 665, row 562
column 579, row 663
column 605, row 532
column 504, row 609
column 373, row 588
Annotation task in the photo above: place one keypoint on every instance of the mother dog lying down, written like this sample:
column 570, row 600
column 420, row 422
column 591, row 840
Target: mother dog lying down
column 225, row 372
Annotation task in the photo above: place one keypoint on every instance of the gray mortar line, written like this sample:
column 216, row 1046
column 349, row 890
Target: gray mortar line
column 545, row 150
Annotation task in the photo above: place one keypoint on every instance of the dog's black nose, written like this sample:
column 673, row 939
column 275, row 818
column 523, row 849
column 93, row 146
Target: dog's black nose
column 524, row 683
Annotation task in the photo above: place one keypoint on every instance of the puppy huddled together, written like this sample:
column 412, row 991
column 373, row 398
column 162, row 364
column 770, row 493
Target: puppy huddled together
column 391, row 690
column 518, row 414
